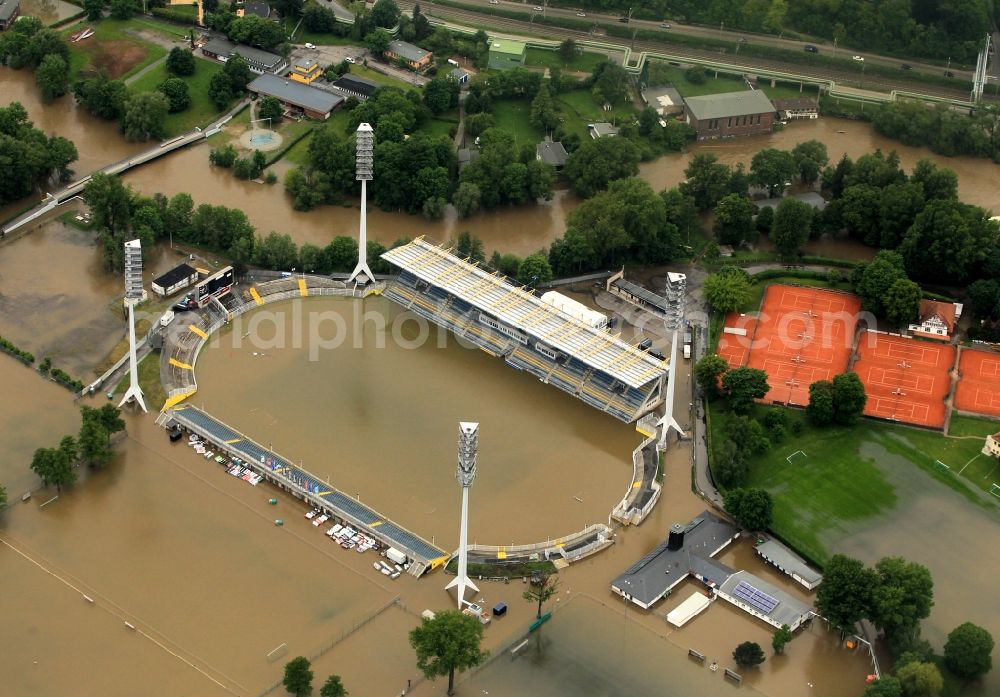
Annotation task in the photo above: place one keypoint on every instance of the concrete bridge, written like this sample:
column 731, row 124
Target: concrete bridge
column 74, row 189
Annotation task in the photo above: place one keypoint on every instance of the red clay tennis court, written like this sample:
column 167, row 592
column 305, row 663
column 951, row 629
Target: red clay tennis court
column 734, row 346
column 979, row 387
column 803, row 335
column 906, row 379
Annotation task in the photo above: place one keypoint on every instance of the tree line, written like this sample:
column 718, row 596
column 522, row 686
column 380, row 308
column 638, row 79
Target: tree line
column 55, row 466
column 908, row 27
column 29, row 157
column 941, row 129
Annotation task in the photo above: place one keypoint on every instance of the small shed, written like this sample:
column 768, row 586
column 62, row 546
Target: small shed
column 500, row 609
column 176, row 279
column 602, row 130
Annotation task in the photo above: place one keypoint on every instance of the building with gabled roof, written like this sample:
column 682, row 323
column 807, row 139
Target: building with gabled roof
column 936, row 320
column 9, row 12
column 258, row 61
column 551, row 153
column 730, row 114
column 314, row 103
column 413, row 56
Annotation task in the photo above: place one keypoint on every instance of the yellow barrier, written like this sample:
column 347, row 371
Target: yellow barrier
column 303, row 291
column 256, row 296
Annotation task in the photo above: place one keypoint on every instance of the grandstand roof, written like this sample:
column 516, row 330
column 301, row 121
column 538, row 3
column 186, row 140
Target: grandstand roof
column 491, row 293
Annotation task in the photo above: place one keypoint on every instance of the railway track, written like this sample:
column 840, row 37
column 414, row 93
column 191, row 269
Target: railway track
column 878, row 82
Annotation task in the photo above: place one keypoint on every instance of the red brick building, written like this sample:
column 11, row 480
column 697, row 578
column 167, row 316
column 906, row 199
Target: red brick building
column 9, row 11
column 730, row 115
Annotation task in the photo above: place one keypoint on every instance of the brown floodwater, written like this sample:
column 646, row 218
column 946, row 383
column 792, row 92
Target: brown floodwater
column 48, row 11
column 378, row 417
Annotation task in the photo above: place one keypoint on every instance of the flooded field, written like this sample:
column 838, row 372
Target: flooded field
column 378, row 417
column 48, row 11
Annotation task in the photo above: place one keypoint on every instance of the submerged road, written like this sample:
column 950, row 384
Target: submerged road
column 70, row 191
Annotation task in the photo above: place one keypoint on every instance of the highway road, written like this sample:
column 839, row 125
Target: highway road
column 848, row 77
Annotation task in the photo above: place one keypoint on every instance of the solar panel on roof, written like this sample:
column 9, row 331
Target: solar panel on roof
column 755, row 597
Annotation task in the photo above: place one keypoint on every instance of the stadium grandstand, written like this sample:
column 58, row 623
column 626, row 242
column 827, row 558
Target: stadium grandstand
column 511, row 322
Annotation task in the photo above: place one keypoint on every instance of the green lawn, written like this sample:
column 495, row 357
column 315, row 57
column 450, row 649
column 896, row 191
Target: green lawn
column 149, row 381
column 380, row 78
column 584, row 62
column 730, row 83
column 202, row 110
column 112, row 49
column 514, row 116
column 578, row 108
column 303, row 35
column 838, row 483
column 757, row 289
column 972, row 426
column 439, row 127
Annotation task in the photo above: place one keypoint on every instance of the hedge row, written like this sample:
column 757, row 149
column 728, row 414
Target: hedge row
column 174, row 15
column 65, row 380
column 12, row 350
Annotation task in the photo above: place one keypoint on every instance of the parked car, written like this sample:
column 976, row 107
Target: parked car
column 350, row 59
column 664, row 25
column 623, row 19
column 860, row 59
column 494, row 2
column 581, row 14
column 308, row 45
column 906, row 66
column 539, row 8
column 948, row 73
column 809, row 48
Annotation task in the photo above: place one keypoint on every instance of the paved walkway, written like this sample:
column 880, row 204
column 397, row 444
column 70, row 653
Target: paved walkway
column 151, row 66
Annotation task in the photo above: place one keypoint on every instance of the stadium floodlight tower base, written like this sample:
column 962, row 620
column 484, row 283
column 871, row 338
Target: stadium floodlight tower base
column 364, row 166
column 133, row 294
column 676, row 294
column 468, row 444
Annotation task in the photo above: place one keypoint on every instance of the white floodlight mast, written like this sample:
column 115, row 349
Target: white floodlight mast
column 468, row 446
column 364, row 166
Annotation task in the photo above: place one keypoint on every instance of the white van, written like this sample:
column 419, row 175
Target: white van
column 452, row 61
column 687, row 350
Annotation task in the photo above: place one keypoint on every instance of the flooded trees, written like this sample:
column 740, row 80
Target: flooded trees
column 750, row 507
column 967, row 651
column 541, row 589
column 748, row 654
column 844, row 596
column 447, row 643
column 298, row 676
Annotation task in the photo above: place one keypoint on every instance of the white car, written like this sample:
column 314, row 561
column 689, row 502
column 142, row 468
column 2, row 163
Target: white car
column 581, row 14
column 858, row 58
column 494, row 2
column 310, row 45
column 350, row 59
column 538, row 8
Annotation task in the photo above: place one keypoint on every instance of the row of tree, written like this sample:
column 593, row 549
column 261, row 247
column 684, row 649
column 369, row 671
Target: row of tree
column 30, row 44
column 840, row 401
column 29, row 157
column 92, row 446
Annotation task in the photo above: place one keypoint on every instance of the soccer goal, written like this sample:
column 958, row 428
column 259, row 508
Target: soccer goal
column 794, row 455
column 995, row 490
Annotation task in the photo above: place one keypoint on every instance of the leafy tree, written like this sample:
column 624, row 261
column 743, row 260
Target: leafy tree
column 984, row 297
column 53, row 466
column 903, row 595
column 52, row 77
column 792, row 223
column 743, row 386
column 749, row 433
column 270, row 108
column 568, row 50
column 469, row 247
column 477, row 123
column 845, row 595
column 750, row 507
column 596, row 163
column 378, row 41
column 886, row 686
column 220, row 90
column 438, row 94
column 333, row 687
column 876, row 279
column 937, row 183
column 899, row 206
column 728, row 290
column 447, row 643
column 180, row 61
column 275, row 251
column 319, row 19
column 466, row 199
column 706, row 181
column 256, row 31
column 289, row 8
column 729, row 467
column 821, row 409
column 94, row 9
column 609, row 84
column 238, row 72
column 733, row 219
column 920, row 680
column 967, row 653
column 947, row 240
column 101, row 96
column 696, row 75
column 810, row 158
column 848, row 398
column 543, row 110
column 781, row 637
column 421, row 25
column 707, row 372
column 123, row 9
column 876, row 169
column 764, row 222
column 772, row 169
column 902, row 301
column 110, row 202
column 144, row 116
column 541, row 180
column 223, row 157
column 298, row 676
column 539, row 590
column 748, row 654
column 385, row 13
column 94, row 448
column 534, row 270
column 176, row 92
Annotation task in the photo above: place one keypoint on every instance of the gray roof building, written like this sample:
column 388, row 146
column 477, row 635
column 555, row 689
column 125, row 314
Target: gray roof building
column 460, row 76
column 8, row 10
column 789, row 562
column 602, row 130
column 258, row 60
column 315, row 102
column 358, row 86
column 688, row 550
column 551, row 152
column 407, row 51
column 666, row 100
column 718, row 106
column 764, row 600
column 255, row 7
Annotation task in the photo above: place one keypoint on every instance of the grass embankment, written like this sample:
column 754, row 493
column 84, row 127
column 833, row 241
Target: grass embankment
column 149, row 381
column 578, row 108
column 380, row 78
column 514, row 116
column 201, row 112
column 511, row 570
column 114, row 47
column 730, row 83
column 835, row 482
column 142, row 326
column 583, row 62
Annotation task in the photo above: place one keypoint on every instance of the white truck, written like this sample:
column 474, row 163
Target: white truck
column 395, row 555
